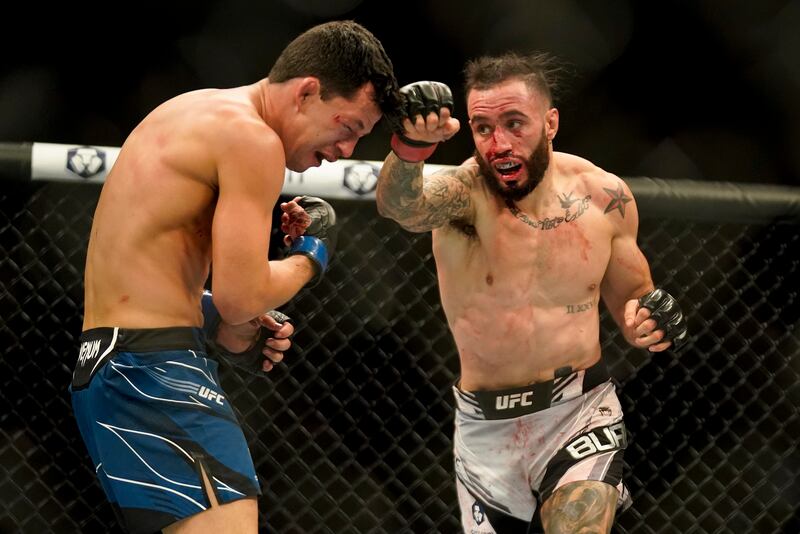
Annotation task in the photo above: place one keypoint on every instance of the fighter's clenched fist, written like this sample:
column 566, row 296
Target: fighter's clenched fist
column 427, row 107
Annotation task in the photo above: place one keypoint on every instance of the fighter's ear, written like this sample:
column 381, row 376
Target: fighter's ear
column 305, row 91
column 551, row 123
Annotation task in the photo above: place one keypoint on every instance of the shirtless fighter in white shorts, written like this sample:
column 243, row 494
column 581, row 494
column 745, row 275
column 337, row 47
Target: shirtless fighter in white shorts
column 527, row 241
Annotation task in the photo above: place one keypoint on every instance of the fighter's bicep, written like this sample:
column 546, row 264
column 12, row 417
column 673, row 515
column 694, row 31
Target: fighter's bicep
column 251, row 163
column 241, row 228
column 627, row 262
column 627, row 275
column 250, row 179
column 448, row 192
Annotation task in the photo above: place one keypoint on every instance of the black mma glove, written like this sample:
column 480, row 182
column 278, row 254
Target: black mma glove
column 420, row 98
column 250, row 360
column 318, row 242
column 667, row 314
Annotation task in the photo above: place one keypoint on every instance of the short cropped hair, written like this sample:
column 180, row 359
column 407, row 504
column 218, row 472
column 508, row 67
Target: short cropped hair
column 344, row 56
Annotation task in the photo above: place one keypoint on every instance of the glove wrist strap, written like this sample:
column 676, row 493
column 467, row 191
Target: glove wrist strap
column 315, row 249
column 410, row 150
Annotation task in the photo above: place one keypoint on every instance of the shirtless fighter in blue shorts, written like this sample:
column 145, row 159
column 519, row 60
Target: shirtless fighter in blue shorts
column 196, row 182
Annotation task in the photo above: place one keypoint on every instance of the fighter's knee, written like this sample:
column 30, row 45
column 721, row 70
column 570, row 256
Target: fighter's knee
column 235, row 517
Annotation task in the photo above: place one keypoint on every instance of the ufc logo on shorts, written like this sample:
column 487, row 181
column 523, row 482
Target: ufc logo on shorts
column 598, row 440
column 210, row 395
column 506, row 402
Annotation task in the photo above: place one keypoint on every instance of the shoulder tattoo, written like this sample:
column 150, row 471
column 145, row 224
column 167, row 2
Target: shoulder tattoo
column 618, row 200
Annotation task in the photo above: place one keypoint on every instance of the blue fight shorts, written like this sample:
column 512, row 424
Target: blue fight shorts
column 152, row 413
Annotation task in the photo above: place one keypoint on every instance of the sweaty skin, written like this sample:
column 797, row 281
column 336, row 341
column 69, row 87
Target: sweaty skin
column 521, row 283
column 524, row 301
column 527, row 241
column 209, row 164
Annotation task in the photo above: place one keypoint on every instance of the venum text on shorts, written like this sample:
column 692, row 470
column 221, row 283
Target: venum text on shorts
column 88, row 351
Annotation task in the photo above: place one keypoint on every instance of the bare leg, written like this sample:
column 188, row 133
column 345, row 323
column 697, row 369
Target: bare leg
column 240, row 516
column 583, row 507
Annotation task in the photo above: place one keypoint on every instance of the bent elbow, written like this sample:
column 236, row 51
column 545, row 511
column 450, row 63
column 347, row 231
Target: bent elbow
column 234, row 311
column 382, row 211
column 388, row 213
column 385, row 208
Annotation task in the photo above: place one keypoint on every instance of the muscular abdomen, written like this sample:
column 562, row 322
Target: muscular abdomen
column 521, row 302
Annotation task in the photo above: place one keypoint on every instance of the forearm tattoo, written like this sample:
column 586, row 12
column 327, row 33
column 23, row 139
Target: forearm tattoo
column 571, row 212
column 400, row 186
column 618, row 200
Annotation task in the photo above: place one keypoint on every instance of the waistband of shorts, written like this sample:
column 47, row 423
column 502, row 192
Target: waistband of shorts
column 147, row 339
column 515, row 402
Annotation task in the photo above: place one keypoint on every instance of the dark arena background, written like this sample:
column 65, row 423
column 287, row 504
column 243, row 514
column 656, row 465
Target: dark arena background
column 694, row 104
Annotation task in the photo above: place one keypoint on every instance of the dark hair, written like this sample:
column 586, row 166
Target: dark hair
column 344, row 56
column 539, row 70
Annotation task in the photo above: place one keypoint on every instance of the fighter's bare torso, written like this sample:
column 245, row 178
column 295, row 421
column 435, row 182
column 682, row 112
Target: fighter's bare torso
column 150, row 246
column 520, row 284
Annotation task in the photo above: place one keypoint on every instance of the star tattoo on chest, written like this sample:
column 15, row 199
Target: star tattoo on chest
column 618, row 200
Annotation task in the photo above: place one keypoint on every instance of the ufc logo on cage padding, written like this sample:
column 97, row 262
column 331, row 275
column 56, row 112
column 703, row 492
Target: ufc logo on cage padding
column 86, row 161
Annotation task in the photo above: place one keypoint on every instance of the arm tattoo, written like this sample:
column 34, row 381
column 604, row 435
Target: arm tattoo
column 399, row 185
column 618, row 200
column 422, row 205
column 585, row 507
